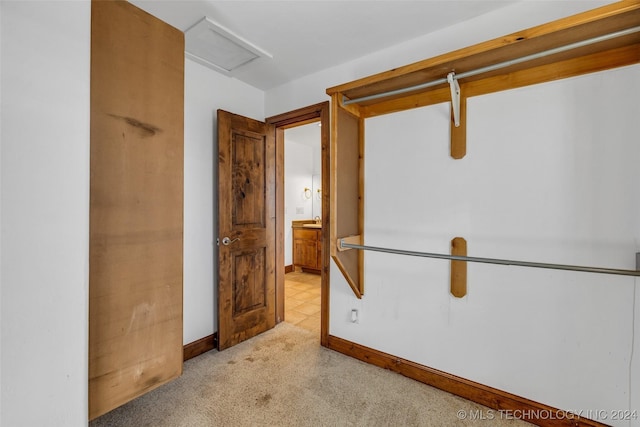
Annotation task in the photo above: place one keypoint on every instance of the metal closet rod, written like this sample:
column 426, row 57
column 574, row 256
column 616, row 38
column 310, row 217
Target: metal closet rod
column 497, row 66
column 618, row 272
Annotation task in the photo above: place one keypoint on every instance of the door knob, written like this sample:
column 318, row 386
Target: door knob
column 227, row 241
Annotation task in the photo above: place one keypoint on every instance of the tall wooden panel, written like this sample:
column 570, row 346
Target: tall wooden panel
column 136, row 209
column 347, row 200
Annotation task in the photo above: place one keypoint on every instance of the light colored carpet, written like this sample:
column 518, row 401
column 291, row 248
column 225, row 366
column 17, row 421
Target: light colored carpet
column 285, row 378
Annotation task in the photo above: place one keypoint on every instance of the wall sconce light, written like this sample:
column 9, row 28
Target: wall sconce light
column 307, row 193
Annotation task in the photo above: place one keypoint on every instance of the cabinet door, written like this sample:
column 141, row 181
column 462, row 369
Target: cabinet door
column 305, row 248
column 306, row 253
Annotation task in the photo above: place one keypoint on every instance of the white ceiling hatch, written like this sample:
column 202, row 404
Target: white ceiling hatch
column 216, row 47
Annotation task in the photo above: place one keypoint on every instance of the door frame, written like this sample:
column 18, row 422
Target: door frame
column 313, row 113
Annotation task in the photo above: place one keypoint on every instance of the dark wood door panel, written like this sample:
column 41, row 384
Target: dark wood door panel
column 246, row 218
column 249, row 285
column 248, row 152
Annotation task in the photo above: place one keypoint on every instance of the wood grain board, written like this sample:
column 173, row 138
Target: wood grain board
column 136, row 204
column 346, row 192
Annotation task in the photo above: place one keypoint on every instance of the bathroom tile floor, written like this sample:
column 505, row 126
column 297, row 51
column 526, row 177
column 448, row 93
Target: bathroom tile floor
column 302, row 300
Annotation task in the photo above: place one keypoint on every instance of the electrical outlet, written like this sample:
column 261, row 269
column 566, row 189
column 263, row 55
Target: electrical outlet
column 300, row 210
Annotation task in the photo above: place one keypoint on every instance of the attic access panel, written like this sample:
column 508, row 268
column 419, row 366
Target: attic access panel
column 218, row 48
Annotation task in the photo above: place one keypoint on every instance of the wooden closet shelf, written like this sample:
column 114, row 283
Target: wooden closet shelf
column 598, row 22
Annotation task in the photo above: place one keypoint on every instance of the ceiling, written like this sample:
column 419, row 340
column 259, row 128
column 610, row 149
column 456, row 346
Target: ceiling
column 308, row 134
column 305, row 36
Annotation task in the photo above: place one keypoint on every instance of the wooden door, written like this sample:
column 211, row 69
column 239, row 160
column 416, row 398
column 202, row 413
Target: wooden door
column 246, row 228
column 136, row 199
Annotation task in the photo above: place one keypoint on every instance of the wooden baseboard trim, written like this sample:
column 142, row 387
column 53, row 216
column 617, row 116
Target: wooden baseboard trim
column 288, row 269
column 200, row 346
column 505, row 404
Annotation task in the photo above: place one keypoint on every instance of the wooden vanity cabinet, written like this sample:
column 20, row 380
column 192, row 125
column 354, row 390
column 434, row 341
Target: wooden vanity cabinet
column 307, row 249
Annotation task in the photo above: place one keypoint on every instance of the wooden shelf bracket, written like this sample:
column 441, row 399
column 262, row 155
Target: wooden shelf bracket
column 459, row 268
column 352, row 240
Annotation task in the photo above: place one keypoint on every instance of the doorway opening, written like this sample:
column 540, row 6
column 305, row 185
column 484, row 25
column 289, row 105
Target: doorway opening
column 311, row 222
column 303, row 233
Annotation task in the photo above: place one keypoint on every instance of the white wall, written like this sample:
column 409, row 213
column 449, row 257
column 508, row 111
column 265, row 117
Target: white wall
column 564, row 339
column 206, row 91
column 45, row 212
column 298, row 170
